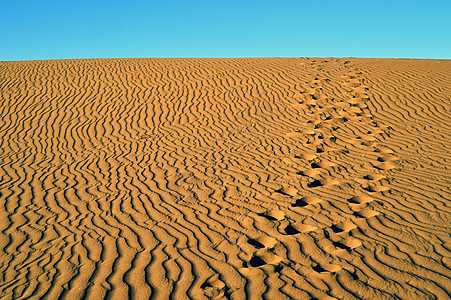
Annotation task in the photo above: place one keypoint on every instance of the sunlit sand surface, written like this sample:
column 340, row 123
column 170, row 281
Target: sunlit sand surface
column 225, row 179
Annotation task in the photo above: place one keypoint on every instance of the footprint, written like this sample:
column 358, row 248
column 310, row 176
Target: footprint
column 360, row 199
column 263, row 242
column 363, row 142
column 293, row 229
column 386, row 158
column 322, row 182
column 368, row 143
column 322, row 164
column 287, row 191
column 339, row 120
column 273, row 215
column 314, row 132
column 383, row 150
column 214, row 288
column 342, row 227
column 370, row 178
column 384, row 165
column 322, row 149
column 306, row 156
column 304, row 201
column 365, row 214
column 309, row 173
column 357, row 102
column 362, row 89
column 348, row 244
column 263, row 257
column 362, row 105
column 313, row 91
column 333, row 139
column 326, row 268
column 352, row 83
column 374, row 177
column 309, row 103
column 355, row 109
column 376, row 188
column 323, row 125
column 368, row 138
column 376, row 131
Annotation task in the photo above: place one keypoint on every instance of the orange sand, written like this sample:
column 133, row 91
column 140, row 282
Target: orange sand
column 225, row 178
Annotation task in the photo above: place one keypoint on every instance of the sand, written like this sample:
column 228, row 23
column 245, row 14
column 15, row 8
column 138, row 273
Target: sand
column 225, row 179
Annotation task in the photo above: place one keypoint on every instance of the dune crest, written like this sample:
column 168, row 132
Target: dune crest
column 220, row 178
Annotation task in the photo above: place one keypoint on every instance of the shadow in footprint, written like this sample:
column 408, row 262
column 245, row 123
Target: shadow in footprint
column 300, row 203
column 271, row 218
column 336, row 229
column 347, row 244
column 308, row 173
column 315, row 183
column 273, row 215
column 329, row 268
column 262, row 258
column 306, row 201
column 287, row 191
column 386, row 158
column 319, row 269
column 315, row 166
column 306, row 156
column 365, row 214
column 293, row 229
column 262, row 242
column 256, row 262
column 341, row 246
column 360, row 199
column 322, row 182
column 290, row 230
column 384, row 165
column 376, row 188
column 343, row 227
column 373, row 177
column 256, row 244
column 318, row 165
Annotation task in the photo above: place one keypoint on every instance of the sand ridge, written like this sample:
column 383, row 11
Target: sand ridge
column 224, row 178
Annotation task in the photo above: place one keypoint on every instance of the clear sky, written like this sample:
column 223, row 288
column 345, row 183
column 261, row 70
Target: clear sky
column 43, row 29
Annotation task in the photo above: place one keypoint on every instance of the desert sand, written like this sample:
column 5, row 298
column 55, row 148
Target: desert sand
column 274, row 178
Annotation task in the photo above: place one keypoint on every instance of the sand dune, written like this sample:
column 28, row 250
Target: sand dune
column 225, row 179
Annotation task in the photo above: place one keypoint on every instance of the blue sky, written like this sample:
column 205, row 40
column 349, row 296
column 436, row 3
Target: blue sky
column 342, row 28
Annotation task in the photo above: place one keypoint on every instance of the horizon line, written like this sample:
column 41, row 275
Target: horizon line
column 225, row 57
